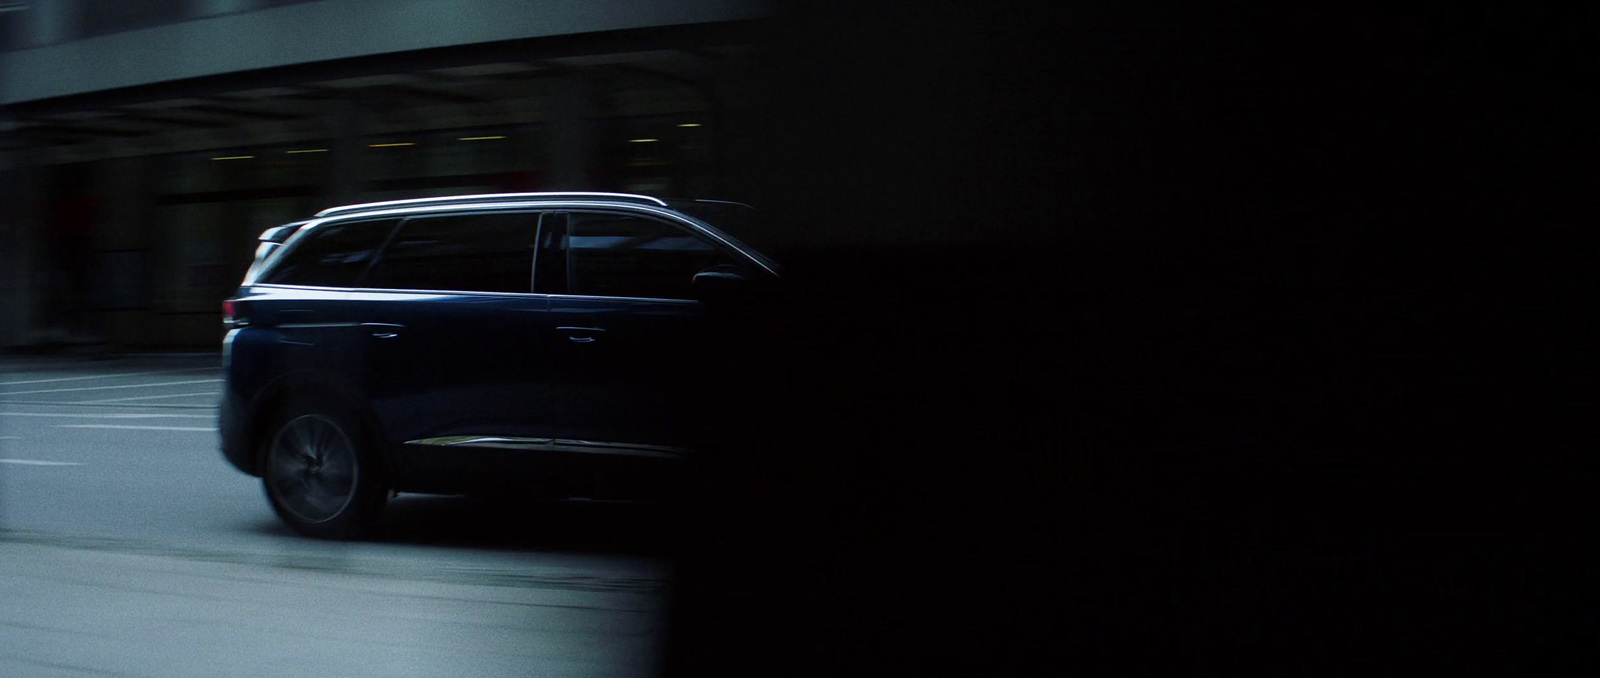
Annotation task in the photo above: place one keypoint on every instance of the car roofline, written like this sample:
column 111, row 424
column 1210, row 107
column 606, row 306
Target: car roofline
column 491, row 197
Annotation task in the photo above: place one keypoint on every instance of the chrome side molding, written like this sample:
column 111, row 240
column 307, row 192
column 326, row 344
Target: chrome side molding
column 555, row 445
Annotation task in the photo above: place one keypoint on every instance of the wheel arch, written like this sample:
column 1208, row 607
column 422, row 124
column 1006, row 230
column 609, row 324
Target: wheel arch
column 320, row 387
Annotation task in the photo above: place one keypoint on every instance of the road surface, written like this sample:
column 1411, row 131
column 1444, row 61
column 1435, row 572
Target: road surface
column 129, row 547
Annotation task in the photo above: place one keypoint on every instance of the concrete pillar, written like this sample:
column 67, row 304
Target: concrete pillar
column 49, row 22
column 575, row 143
column 21, row 275
column 12, row 258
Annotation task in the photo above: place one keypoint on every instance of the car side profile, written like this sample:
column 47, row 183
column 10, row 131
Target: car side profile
column 538, row 343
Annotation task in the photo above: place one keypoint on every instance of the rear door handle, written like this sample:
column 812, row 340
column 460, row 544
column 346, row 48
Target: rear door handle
column 383, row 330
column 581, row 335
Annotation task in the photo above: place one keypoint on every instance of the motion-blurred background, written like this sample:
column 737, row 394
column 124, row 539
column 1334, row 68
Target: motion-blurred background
column 147, row 143
column 1133, row 338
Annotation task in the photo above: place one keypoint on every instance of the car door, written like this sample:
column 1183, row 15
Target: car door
column 299, row 315
column 630, row 338
column 457, row 340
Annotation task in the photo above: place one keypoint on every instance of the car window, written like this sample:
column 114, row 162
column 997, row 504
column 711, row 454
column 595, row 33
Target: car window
column 550, row 262
column 331, row 254
column 467, row 253
column 619, row 255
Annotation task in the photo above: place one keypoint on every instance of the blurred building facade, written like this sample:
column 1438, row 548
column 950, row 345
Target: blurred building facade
column 146, row 144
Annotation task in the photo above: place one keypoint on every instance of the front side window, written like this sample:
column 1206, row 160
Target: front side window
column 331, row 254
column 618, row 255
column 464, row 253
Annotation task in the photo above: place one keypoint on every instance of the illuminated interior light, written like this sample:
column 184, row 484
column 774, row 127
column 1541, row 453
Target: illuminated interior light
column 234, row 157
column 398, row 143
column 497, row 136
column 642, row 141
column 688, row 124
column 308, row 150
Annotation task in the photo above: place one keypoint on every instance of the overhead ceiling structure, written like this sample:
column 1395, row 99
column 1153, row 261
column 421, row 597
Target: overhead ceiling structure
column 297, row 102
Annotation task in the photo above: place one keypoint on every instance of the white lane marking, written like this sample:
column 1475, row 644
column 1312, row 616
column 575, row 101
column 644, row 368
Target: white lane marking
column 141, row 428
column 10, row 437
column 107, row 416
column 123, row 400
column 103, row 376
column 107, row 388
column 38, row 462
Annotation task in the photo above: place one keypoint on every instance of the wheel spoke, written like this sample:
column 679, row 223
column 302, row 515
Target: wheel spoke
column 312, row 469
column 302, row 444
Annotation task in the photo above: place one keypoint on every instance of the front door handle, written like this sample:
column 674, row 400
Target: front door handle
column 383, row 330
column 581, row 335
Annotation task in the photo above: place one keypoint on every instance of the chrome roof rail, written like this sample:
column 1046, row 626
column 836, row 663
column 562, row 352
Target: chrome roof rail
column 281, row 233
column 490, row 197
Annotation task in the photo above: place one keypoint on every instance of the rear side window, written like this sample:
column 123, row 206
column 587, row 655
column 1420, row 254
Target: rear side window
column 331, row 254
column 465, row 253
column 625, row 256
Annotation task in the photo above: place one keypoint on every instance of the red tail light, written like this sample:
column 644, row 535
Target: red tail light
column 230, row 313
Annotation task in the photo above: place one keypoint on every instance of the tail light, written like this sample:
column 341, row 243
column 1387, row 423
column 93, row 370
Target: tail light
column 231, row 314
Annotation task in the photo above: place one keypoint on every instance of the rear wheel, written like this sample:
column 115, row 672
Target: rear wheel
column 319, row 473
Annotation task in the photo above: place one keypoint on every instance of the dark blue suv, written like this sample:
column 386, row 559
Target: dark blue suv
column 539, row 343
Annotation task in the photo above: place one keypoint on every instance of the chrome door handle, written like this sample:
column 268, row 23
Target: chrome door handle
column 383, row 330
column 581, row 335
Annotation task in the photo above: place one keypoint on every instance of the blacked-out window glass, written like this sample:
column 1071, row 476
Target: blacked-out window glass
column 550, row 265
column 626, row 256
column 464, row 253
column 331, row 255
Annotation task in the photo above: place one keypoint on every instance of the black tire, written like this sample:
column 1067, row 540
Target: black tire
column 320, row 472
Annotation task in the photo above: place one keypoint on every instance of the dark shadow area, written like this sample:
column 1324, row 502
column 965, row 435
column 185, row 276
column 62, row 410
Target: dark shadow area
column 513, row 524
column 1165, row 342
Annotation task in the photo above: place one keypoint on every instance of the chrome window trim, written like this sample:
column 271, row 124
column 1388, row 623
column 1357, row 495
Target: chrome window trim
column 601, row 296
column 281, row 286
column 461, row 293
column 441, row 293
column 728, row 242
column 313, row 326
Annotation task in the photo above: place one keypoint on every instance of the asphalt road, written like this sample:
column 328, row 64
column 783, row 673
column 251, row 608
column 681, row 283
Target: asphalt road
column 128, row 546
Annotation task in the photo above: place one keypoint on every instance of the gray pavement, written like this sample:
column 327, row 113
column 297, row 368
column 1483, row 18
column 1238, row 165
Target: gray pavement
column 75, row 611
column 128, row 547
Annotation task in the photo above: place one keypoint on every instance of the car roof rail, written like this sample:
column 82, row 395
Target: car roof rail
column 281, row 233
column 465, row 199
